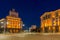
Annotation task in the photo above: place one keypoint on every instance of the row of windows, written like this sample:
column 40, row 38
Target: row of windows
column 13, row 20
column 46, row 17
column 14, row 31
column 13, row 27
column 51, row 23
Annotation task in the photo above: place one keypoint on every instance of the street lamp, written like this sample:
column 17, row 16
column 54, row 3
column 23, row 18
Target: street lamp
column 23, row 25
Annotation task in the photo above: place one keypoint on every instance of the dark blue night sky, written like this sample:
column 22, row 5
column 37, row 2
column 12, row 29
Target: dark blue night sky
column 29, row 10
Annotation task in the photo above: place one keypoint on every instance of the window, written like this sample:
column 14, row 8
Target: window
column 46, row 16
column 56, row 14
column 53, row 22
column 49, row 16
column 43, row 18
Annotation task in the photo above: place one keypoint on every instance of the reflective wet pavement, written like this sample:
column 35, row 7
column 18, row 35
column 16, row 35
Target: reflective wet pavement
column 30, row 36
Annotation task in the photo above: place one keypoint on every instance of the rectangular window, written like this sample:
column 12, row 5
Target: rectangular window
column 53, row 22
column 49, row 16
column 43, row 18
column 56, row 14
column 46, row 16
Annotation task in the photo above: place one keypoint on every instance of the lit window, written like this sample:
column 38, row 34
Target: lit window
column 45, row 25
column 53, row 28
column 7, row 22
column 59, row 28
column 53, row 16
column 2, row 22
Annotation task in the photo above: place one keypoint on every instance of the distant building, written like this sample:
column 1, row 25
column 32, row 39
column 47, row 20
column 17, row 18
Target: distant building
column 2, row 25
column 32, row 28
column 14, row 23
column 50, row 21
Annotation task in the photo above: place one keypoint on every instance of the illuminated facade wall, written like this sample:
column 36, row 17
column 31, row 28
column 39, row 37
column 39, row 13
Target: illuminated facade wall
column 50, row 21
column 13, row 22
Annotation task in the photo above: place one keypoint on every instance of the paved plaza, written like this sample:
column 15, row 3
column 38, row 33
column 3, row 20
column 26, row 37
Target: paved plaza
column 30, row 36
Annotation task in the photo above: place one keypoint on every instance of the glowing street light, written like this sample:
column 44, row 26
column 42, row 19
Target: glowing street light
column 23, row 25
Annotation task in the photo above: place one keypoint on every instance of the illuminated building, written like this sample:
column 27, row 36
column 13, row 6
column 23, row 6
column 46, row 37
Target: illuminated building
column 50, row 21
column 14, row 23
column 32, row 28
